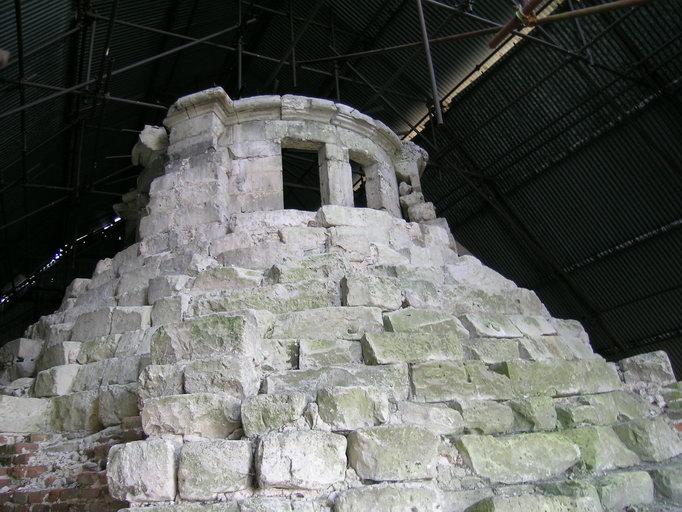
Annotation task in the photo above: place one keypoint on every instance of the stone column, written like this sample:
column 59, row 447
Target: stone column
column 336, row 175
column 382, row 188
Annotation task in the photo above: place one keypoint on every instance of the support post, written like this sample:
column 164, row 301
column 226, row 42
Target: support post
column 429, row 63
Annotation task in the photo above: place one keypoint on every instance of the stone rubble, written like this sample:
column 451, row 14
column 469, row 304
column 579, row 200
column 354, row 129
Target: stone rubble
column 245, row 358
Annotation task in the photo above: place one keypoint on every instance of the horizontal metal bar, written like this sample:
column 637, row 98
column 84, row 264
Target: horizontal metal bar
column 47, row 44
column 587, row 11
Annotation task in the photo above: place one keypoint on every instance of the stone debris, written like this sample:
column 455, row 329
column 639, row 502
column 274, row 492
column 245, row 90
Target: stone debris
column 240, row 357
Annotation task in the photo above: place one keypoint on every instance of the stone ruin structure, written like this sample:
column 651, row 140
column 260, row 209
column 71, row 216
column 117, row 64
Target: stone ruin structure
column 239, row 357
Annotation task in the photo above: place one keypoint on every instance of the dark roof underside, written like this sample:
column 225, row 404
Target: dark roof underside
column 559, row 167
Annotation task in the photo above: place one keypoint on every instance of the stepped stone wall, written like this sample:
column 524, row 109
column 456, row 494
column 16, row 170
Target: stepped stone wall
column 239, row 357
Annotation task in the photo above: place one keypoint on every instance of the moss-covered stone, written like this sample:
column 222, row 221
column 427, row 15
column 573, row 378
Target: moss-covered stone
column 423, row 320
column 654, row 440
column 387, row 347
column 519, row 458
column 317, row 353
column 328, row 323
column 620, row 490
column 668, row 482
column 487, row 417
column 528, row 503
column 407, row 497
column 535, row 412
column 265, row 413
column 601, row 449
column 393, row 453
column 438, row 418
column 350, row 408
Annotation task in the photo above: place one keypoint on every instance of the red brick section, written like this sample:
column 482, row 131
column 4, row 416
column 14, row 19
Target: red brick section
column 678, row 426
column 37, row 480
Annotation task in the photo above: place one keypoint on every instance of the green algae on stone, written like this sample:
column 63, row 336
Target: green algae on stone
column 401, row 497
column 654, row 440
column 350, row 408
column 423, row 320
column 668, row 481
column 387, row 347
column 487, row 417
column 265, row 413
column 536, row 411
column 601, row 449
column 535, row 503
column 519, row 458
column 620, row 490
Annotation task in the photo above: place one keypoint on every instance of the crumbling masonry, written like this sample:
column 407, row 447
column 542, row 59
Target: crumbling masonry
column 240, row 357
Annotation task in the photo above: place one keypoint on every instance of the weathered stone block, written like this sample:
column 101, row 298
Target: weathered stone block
column 117, row 402
column 265, row 413
column 124, row 319
column 533, row 325
column 393, row 453
column 328, row 323
column 64, row 352
column 620, row 490
column 528, row 503
column 446, row 381
column 21, row 354
column 55, row 381
column 393, row 379
column 227, row 375
column 600, row 448
column 519, row 458
column 350, row 408
column 560, row 378
column 317, row 353
column 490, row 326
column 388, row 347
column 98, row 349
column 201, row 414
column 491, row 350
column 407, row 497
column 652, row 367
column 165, row 286
column 487, row 417
column 161, row 380
column 373, row 291
column 654, row 440
column 208, row 469
column 301, row 460
column 77, row 412
column 22, row 414
column 423, row 320
column 143, row 471
column 227, row 278
column 537, row 411
column 92, row 325
column 438, row 418
column 668, row 482
column 204, row 337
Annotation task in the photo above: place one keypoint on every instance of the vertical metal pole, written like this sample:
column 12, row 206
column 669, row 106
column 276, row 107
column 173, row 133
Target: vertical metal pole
column 336, row 62
column 292, row 40
column 429, row 63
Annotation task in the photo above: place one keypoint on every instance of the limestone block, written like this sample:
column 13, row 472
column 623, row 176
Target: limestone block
column 59, row 332
column 539, row 348
column 210, row 468
column 491, row 350
column 117, row 402
column 301, row 460
column 77, row 412
column 620, row 490
column 421, row 212
column 654, row 440
column 602, row 409
column 668, row 482
column 277, row 298
column 55, row 381
column 89, row 376
column 422, row 320
column 561, row 378
column 350, row 408
column 133, row 343
column 265, row 413
column 373, row 291
column 92, row 325
column 535, row 503
column 525, row 457
column 275, row 504
column 22, row 414
column 309, row 239
column 204, row 337
column 652, row 367
column 438, row 418
column 227, row 278
column 161, row 380
column 393, row 453
column 393, row 379
column 18, row 387
column 388, row 347
column 600, row 448
column 122, row 370
column 165, row 286
column 317, row 353
column 64, row 352
column 404, row 497
column 98, row 349
column 228, row 375
column 143, row 471
column 357, row 243
column 200, row 414
column 170, row 310
column 279, row 355
column 124, row 319
column 536, row 411
column 533, row 325
column 490, row 326
column 407, row 200
column 76, row 287
column 22, row 355
column 447, row 381
column 420, row 294
column 333, row 215
column 328, row 323
column 486, row 417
